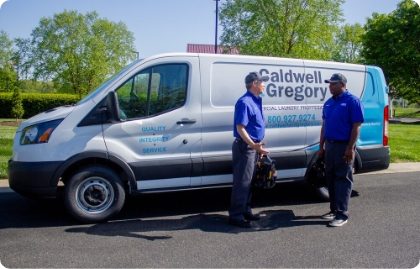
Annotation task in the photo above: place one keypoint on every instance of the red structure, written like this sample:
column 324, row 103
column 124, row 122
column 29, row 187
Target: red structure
column 205, row 48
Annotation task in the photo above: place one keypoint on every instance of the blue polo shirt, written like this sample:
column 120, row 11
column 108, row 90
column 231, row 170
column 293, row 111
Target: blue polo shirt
column 339, row 113
column 248, row 112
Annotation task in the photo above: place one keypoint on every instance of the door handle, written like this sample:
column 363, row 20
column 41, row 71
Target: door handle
column 186, row 121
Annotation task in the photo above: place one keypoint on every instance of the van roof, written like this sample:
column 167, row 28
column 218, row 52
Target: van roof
column 237, row 56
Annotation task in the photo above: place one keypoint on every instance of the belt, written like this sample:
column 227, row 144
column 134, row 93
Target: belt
column 241, row 140
column 332, row 141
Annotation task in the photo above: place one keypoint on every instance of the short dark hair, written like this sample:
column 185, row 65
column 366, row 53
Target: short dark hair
column 253, row 76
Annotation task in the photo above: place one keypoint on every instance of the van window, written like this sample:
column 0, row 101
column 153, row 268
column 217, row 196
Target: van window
column 153, row 91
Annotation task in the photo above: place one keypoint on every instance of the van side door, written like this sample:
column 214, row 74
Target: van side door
column 160, row 124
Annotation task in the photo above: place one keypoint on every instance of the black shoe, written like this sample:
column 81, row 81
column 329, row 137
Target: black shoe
column 240, row 223
column 251, row 216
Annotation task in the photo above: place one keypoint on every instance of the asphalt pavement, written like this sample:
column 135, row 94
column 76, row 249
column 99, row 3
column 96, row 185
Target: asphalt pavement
column 190, row 230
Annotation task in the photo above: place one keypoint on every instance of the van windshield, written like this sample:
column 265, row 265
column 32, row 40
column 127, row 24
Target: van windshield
column 104, row 85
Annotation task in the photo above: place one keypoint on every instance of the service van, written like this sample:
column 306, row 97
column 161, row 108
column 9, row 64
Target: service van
column 165, row 123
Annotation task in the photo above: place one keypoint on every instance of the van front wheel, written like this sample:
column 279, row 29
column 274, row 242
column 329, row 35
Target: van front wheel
column 94, row 194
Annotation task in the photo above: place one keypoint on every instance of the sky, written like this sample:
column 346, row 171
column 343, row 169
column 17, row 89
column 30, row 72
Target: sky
column 159, row 26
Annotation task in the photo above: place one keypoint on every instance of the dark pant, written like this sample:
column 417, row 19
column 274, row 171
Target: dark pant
column 339, row 176
column 244, row 159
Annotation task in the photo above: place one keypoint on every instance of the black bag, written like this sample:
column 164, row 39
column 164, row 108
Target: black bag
column 317, row 175
column 265, row 175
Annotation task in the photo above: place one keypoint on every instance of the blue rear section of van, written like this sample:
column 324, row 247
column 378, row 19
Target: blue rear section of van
column 373, row 154
column 374, row 99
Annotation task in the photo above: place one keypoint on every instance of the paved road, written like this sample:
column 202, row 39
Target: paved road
column 189, row 230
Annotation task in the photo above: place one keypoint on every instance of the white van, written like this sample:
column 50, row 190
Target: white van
column 165, row 123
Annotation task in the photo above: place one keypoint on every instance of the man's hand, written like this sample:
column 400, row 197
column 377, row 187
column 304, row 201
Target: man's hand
column 259, row 148
column 321, row 153
column 349, row 155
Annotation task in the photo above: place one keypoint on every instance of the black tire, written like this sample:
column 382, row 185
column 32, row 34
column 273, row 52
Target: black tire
column 94, row 194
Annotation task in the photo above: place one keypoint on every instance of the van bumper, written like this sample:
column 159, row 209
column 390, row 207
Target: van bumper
column 33, row 179
column 374, row 158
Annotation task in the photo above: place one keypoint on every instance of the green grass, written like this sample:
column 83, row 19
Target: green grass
column 6, row 141
column 408, row 112
column 404, row 140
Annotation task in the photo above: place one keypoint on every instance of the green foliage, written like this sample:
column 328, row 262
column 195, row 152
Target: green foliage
column 75, row 51
column 21, row 58
column 28, row 86
column 34, row 103
column 8, row 76
column 17, row 107
column 349, row 44
column 392, row 42
column 6, row 49
column 285, row 28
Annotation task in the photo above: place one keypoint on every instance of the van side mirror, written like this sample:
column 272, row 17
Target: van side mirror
column 112, row 107
column 107, row 111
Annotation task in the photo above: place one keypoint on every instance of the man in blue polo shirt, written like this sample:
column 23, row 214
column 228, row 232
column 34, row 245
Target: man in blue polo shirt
column 249, row 130
column 342, row 116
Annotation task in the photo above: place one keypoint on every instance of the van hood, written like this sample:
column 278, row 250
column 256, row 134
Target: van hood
column 48, row 115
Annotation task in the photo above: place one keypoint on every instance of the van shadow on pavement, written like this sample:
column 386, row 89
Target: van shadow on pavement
column 156, row 216
column 157, row 229
column 149, row 213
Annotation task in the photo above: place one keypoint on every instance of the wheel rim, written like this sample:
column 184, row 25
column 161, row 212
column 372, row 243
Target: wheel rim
column 95, row 195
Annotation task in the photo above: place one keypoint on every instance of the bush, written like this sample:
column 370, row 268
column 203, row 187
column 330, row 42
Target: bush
column 34, row 103
column 17, row 106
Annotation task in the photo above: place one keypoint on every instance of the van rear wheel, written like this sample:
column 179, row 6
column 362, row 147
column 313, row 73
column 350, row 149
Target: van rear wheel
column 94, row 194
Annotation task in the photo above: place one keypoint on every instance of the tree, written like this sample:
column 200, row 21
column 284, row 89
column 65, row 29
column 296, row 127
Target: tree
column 349, row 44
column 21, row 57
column 17, row 106
column 288, row 28
column 7, row 74
column 7, row 78
column 77, row 52
column 393, row 42
column 6, row 49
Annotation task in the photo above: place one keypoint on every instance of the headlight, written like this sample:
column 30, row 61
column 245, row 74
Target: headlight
column 38, row 133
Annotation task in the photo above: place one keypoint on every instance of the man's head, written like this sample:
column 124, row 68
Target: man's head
column 255, row 82
column 337, row 77
column 337, row 83
column 254, row 76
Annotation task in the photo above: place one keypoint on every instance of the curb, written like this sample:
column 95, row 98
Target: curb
column 405, row 120
column 397, row 168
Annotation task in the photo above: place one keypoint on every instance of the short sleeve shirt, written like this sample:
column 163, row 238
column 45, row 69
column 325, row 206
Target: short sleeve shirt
column 248, row 112
column 339, row 113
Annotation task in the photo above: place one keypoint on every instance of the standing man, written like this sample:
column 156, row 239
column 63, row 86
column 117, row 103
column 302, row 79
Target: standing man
column 342, row 116
column 249, row 130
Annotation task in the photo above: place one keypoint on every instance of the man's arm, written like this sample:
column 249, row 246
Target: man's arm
column 321, row 141
column 350, row 150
